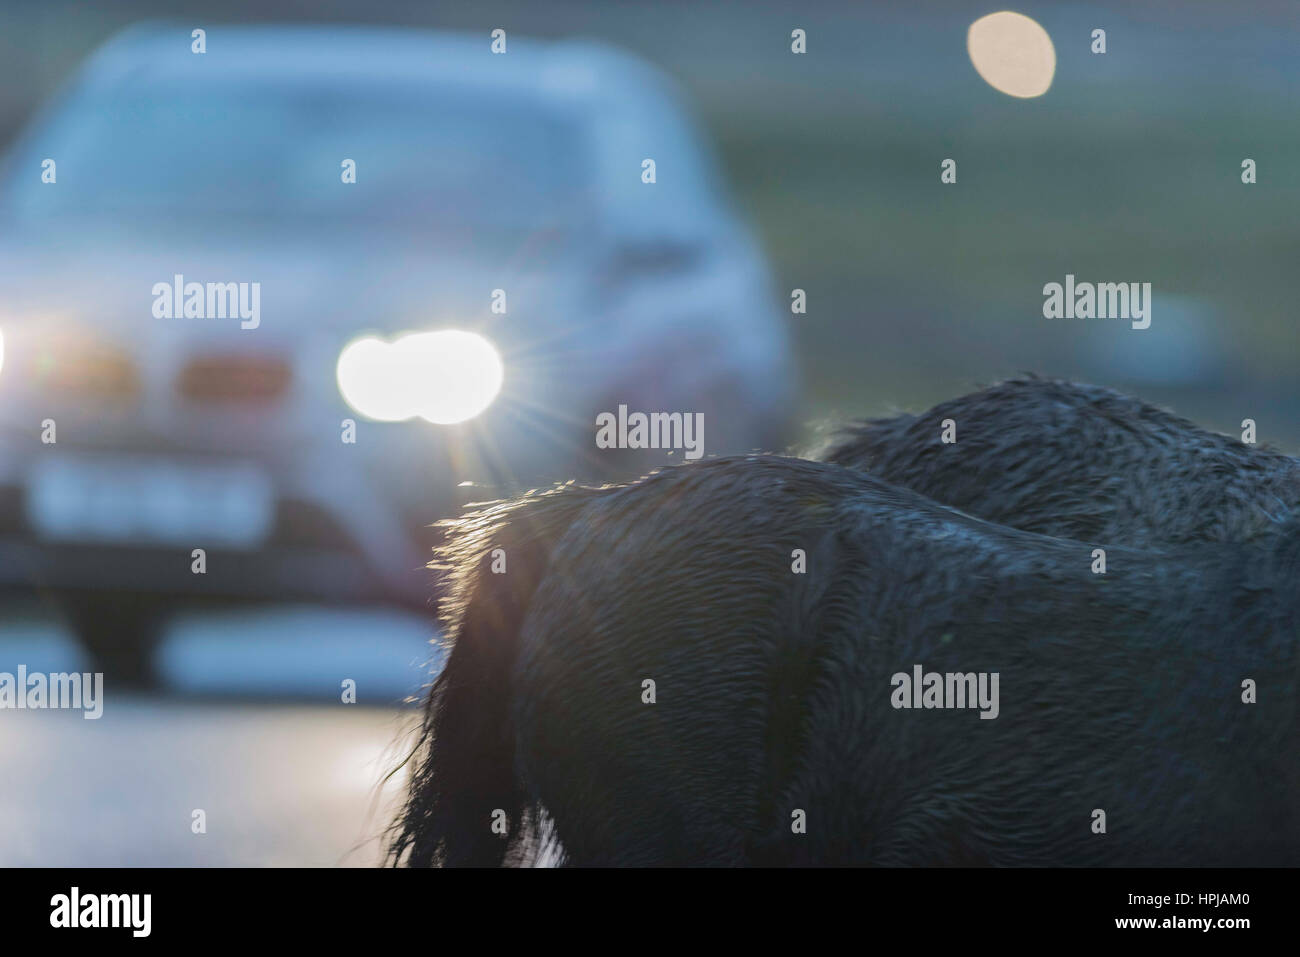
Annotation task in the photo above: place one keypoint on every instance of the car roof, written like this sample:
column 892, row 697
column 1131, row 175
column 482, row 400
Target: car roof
column 562, row 70
column 630, row 108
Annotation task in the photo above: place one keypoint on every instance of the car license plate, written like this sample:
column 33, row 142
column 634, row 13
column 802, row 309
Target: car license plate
column 150, row 502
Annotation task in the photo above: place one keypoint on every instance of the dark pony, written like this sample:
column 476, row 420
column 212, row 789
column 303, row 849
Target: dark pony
column 1079, row 461
column 700, row 668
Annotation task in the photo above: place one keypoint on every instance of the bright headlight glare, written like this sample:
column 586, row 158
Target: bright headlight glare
column 444, row 377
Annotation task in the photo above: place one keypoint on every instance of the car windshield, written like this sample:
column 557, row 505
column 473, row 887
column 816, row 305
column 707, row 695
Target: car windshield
column 434, row 158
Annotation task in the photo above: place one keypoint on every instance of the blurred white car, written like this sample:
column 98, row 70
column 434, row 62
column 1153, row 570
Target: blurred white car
column 497, row 195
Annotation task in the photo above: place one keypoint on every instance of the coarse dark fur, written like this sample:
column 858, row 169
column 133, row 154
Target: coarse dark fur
column 1120, row 692
column 1079, row 461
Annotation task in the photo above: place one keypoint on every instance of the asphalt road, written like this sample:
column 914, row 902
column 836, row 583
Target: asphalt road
column 250, row 728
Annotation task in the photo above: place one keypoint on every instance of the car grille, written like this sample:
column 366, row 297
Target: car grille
column 234, row 378
column 300, row 524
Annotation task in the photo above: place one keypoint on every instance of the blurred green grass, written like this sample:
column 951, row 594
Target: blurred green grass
column 856, row 216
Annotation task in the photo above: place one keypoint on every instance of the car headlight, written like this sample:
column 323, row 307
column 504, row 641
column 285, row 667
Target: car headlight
column 444, row 377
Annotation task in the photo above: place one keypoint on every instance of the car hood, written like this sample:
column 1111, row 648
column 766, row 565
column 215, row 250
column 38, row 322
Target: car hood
column 332, row 285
